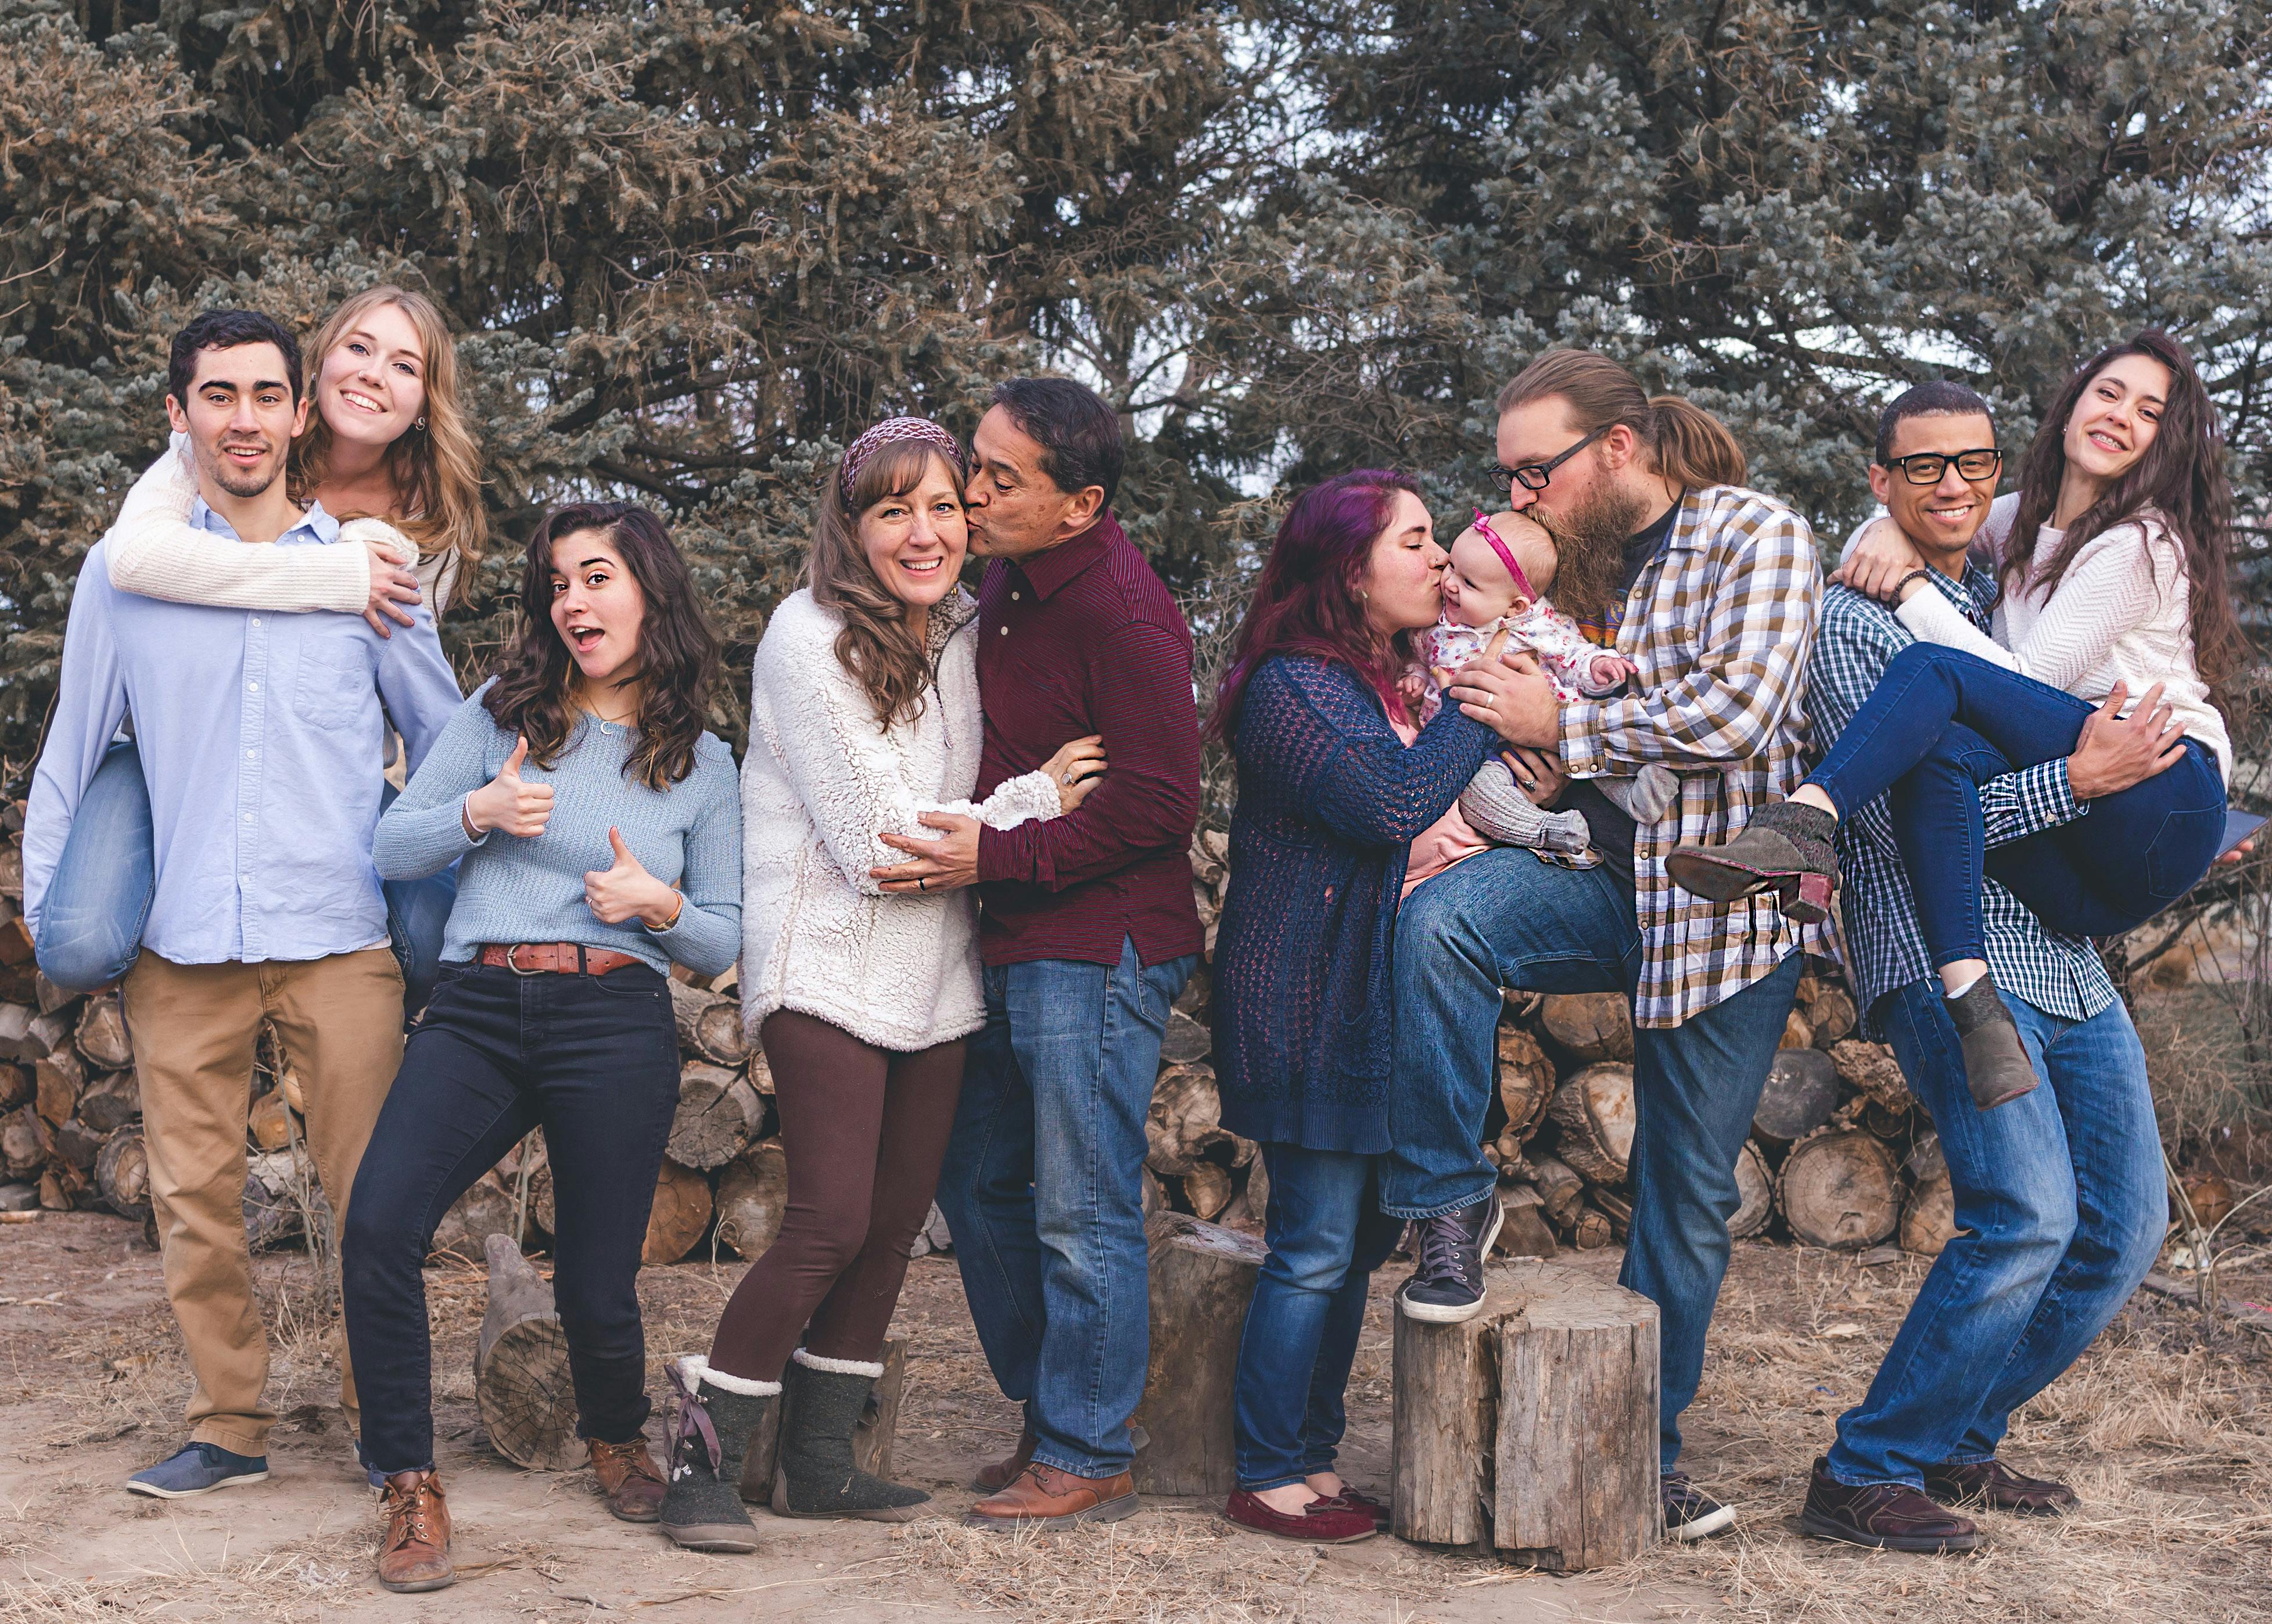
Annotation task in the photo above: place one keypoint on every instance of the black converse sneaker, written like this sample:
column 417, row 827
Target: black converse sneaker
column 1689, row 1512
column 1448, row 1284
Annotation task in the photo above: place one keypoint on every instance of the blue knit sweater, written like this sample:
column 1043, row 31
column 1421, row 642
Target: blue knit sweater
column 1329, row 802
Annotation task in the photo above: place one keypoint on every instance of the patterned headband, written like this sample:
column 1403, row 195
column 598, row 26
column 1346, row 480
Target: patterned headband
column 1505, row 554
column 890, row 432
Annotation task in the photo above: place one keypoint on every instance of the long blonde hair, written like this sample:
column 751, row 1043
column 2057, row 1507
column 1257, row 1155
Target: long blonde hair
column 437, row 470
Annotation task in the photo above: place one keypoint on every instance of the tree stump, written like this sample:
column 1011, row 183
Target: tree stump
column 122, row 1174
column 1870, row 1069
column 57, row 1080
column 1526, row 1082
column 23, row 1142
column 752, row 1196
column 1185, row 1109
column 15, row 1086
column 1208, row 1188
column 1202, row 1278
column 103, row 1036
column 1560, row 1188
column 708, row 1025
column 1532, row 1428
column 1591, row 1231
column 27, row 1035
column 873, row 1439
column 521, row 1385
column 1755, row 1184
column 1840, row 1189
column 1830, row 1011
column 718, row 1116
column 110, row 1103
column 1588, row 1027
column 485, row 1210
column 269, row 1123
column 282, row 1198
column 1800, row 1095
column 1929, row 1216
column 1523, row 1231
column 681, row 1214
column 1594, row 1110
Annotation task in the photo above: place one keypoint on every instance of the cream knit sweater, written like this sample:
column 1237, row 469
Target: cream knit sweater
column 820, row 782
column 2121, row 614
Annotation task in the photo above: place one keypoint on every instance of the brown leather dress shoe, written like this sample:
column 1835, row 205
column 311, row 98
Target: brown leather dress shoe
column 628, row 1476
column 1043, row 1497
column 415, row 1554
column 1992, row 1484
column 998, row 1475
column 1891, row 1516
column 1321, row 1522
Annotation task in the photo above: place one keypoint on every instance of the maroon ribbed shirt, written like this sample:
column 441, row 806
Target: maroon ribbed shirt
column 1084, row 639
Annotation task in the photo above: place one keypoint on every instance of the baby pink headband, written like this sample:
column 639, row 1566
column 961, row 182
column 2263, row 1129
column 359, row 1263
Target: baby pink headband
column 889, row 432
column 1505, row 556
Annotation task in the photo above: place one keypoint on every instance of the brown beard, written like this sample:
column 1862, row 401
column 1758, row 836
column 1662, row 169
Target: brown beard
column 1590, row 550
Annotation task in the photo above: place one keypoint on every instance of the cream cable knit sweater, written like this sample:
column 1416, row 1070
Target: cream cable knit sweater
column 156, row 553
column 820, row 783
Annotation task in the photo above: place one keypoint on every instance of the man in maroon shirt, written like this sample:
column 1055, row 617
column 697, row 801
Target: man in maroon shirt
column 1088, row 934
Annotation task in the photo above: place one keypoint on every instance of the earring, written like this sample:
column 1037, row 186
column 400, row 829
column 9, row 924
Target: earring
column 421, row 423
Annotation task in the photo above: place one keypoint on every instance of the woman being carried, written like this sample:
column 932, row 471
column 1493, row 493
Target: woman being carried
column 863, row 721
column 599, row 839
column 2112, row 557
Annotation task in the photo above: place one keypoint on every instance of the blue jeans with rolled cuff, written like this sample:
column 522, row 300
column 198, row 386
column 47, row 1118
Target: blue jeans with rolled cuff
column 1044, row 1190
column 99, row 900
column 1503, row 919
column 1940, row 723
column 2060, row 1207
column 1326, row 1234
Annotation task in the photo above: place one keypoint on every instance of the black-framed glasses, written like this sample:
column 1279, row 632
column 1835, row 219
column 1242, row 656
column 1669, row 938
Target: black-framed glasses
column 1534, row 475
column 1926, row 467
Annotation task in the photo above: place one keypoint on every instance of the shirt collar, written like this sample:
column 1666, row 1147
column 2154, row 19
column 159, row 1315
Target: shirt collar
column 1973, row 593
column 1052, row 568
column 316, row 527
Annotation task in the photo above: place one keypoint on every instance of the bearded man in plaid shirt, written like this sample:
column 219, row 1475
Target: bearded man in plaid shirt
column 1712, row 590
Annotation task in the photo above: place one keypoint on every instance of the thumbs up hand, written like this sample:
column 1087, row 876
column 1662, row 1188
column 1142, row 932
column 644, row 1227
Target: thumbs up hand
column 508, row 802
column 625, row 890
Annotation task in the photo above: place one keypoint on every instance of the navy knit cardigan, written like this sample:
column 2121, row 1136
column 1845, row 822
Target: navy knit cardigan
column 1329, row 802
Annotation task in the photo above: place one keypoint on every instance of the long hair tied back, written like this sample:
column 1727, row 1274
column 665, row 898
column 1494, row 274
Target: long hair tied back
column 1686, row 443
column 678, row 654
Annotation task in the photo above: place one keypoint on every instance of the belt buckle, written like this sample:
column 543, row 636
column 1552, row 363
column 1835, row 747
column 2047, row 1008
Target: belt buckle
column 513, row 966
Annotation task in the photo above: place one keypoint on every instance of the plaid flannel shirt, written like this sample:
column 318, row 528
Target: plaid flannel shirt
column 2059, row 975
column 1718, row 627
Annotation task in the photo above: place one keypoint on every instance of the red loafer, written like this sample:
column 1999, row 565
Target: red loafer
column 1321, row 1522
column 1357, row 1500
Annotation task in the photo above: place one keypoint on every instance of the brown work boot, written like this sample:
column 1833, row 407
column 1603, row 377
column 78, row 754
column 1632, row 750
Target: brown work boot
column 1043, row 1497
column 994, row 1478
column 1992, row 1484
column 415, row 1555
column 629, row 1478
column 1892, row 1516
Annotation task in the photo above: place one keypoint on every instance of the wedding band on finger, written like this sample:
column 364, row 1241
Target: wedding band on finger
column 923, row 882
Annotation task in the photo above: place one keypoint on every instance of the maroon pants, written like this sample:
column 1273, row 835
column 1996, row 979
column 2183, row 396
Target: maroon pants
column 863, row 1130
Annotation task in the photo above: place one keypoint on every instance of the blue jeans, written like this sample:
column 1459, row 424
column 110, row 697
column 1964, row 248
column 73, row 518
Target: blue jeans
column 91, row 922
column 1940, row 723
column 2060, row 1206
column 1326, row 1234
column 1503, row 919
column 1043, row 1191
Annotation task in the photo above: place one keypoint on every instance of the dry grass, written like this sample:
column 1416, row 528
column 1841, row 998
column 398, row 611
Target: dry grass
column 299, row 1581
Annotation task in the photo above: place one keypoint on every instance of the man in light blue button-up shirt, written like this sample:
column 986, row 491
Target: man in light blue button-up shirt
column 261, row 736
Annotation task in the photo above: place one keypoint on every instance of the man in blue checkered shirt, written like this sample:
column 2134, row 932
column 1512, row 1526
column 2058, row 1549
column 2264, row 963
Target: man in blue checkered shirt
column 2038, row 1267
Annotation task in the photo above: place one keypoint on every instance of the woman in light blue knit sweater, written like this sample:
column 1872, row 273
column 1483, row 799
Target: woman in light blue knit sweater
column 597, row 829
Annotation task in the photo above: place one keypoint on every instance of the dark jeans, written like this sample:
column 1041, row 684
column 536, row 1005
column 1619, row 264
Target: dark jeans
column 1326, row 1234
column 591, row 1059
column 1503, row 919
column 2060, row 1206
column 1043, row 1192
column 98, row 900
column 1940, row 723
column 864, row 1131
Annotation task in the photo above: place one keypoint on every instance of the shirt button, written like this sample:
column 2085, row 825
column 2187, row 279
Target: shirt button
column 248, row 817
column 252, row 688
column 1014, row 598
column 256, row 620
column 252, row 755
column 1006, row 631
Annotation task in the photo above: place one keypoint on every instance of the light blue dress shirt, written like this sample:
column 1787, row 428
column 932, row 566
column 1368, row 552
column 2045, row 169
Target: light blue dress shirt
column 261, row 735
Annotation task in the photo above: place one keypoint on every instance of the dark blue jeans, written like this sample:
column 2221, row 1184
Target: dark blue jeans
column 1503, row 919
column 1940, row 723
column 591, row 1059
column 2060, row 1206
column 1043, row 1191
column 98, row 900
column 1326, row 1234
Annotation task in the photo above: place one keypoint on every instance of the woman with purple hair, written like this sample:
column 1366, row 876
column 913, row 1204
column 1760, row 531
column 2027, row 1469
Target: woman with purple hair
column 1344, row 806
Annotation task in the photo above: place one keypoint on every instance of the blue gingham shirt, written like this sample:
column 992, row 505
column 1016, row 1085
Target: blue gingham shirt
column 2060, row 975
column 261, row 736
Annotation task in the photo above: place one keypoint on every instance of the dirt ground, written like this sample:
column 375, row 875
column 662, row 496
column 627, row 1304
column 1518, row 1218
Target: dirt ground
column 2167, row 1433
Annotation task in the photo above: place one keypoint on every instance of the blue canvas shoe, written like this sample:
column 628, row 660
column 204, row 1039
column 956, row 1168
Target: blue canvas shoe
column 199, row 1469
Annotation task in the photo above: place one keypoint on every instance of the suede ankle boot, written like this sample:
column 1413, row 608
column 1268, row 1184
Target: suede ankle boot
column 1786, row 849
column 710, row 1435
column 816, row 1477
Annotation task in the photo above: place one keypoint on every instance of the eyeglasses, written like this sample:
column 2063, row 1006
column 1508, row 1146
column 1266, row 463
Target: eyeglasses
column 1534, row 475
column 1926, row 467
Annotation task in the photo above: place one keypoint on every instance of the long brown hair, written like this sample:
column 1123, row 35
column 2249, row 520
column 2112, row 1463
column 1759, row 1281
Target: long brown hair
column 677, row 651
column 437, row 470
column 2179, row 483
column 876, row 645
column 1686, row 444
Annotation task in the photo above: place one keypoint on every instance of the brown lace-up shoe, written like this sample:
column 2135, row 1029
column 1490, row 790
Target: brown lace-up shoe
column 998, row 1475
column 629, row 1478
column 1891, row 1516
column 415, row 1555
column 1992, row 1484
column 1043, row 1497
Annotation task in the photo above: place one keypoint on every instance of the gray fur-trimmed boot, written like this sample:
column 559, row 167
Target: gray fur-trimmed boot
column 816, row 1477
column 709, row 1444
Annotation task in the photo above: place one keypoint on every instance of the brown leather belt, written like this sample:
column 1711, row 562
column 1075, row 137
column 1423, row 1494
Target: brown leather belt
column 556, row 957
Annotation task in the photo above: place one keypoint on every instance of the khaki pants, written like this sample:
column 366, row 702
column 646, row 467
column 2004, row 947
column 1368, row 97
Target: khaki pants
column 194, row 1027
